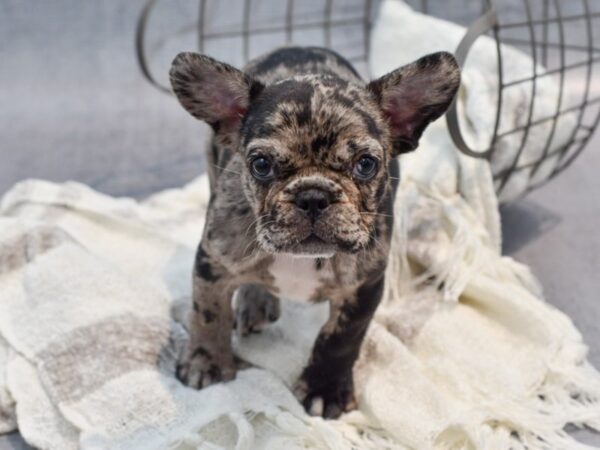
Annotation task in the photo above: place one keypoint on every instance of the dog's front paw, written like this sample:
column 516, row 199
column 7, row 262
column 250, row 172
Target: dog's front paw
column 255, row 308
column 199, row 368
column 328, row 400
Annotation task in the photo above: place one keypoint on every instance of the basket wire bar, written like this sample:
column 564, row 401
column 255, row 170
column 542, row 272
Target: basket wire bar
column 542, row 32
column 327, row 29
column 586, row 62
column 546, row 45
column 544, row 21
column 140, row 48
column 562, row 82
column 545, row 15
column 288, row 22
column 367, row 27
column 496, row 32
column 547, row 119
column 273, row 29
column 246, row 30
column 532, row 38
column 201, row 25
column 487, row 20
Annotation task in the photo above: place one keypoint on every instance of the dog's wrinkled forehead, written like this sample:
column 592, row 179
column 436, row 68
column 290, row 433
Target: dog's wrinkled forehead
column 315, row 117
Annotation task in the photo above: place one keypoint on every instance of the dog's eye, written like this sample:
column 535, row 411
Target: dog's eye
column 262, row 168
column 366, row 167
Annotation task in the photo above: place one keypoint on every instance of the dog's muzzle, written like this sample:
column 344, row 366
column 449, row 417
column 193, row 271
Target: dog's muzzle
column 313, row 202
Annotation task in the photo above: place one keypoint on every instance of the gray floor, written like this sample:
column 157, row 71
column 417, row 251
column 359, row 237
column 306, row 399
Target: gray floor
column 74, row 106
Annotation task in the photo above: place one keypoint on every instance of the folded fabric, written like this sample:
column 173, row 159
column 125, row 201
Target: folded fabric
column 8, row 421
column 401, row 35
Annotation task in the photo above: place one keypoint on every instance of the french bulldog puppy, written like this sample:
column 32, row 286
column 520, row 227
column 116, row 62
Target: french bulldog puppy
column 301, row 171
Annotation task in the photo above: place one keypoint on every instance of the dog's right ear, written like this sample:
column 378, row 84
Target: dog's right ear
column 212, row 91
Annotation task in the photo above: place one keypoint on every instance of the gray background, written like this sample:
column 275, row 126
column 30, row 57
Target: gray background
column 73, row 106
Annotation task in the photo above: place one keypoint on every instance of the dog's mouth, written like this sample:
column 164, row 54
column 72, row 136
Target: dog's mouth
column 296, row 235
column 313, row 247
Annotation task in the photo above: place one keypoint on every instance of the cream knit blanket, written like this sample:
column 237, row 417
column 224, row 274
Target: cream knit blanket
column 93, row 290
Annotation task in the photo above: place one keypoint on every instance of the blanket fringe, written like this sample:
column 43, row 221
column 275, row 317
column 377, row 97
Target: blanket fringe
column 570, row 393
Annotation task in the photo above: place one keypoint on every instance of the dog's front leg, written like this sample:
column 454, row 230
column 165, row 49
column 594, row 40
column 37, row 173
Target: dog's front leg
column 208, row 357
column 325, row 387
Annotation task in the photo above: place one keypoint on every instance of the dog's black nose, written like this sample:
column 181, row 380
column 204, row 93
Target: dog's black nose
column 313, row 202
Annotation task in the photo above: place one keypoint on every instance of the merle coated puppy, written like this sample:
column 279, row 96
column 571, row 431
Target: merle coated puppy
column 301, row 171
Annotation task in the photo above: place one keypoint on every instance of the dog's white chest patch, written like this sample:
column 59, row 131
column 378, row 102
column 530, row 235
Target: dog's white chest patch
column 298, row 278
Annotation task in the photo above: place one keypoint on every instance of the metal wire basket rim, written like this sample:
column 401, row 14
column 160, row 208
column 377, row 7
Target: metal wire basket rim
column 488, row 22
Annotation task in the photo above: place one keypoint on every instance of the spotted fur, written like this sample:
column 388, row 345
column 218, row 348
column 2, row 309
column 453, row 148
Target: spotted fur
column 310, row 116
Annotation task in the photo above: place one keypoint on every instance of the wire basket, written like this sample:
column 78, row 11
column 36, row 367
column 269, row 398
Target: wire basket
column 557, row 35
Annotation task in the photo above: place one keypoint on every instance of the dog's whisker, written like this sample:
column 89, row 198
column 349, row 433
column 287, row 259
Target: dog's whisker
column 375, row 214
column 227, row 170
column 262, row 216
column 254, row 239
column 253, row 251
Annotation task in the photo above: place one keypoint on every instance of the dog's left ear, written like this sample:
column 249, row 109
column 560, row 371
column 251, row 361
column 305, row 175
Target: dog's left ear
column 416, row 94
